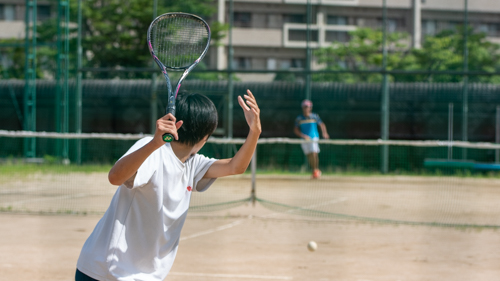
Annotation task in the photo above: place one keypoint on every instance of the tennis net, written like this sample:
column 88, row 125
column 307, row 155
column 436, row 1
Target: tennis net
column 427, row 182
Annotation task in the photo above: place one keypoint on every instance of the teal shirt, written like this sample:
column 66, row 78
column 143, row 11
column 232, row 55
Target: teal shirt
column 309, row 125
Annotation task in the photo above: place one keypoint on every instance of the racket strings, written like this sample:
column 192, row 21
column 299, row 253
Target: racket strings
column 179, row 41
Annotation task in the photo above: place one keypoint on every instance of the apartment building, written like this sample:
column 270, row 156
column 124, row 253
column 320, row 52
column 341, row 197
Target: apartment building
column 13, row 14
column 271, row 34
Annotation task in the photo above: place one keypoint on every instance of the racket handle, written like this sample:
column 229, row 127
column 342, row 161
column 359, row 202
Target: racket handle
column 168, row 137
column 170, row 109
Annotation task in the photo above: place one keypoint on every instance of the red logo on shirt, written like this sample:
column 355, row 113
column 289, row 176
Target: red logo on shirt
column 189, row 188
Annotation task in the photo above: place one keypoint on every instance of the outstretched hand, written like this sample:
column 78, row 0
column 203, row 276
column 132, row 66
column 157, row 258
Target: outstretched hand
column 251, row 111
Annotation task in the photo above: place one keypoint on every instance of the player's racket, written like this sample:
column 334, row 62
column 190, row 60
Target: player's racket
column 177, row 41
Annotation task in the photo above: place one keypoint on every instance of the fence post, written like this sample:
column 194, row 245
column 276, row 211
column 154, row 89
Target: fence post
column 465, row 93
column 450, row 131
column 384, row 107
column 30, row 78
column 497, row 134
column 253, row 167
column 78, row 110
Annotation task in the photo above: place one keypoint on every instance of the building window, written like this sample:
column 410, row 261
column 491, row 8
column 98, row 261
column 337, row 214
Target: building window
column 271, row 64
column 336, row 20
column 295, row 18
column 285, row 64
column 336, row 36
column 429, row 27
column 453, row 25
column 301, row 35
column 393, row 24
column 7, row 12
column 242, row 19
column 242, row 63
column 360, row 22
column 490, row 29
column 6, row 61
column 298, row 63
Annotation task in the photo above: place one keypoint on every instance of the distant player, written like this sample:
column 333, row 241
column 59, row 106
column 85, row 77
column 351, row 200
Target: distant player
column 138, row 236
column 306, row 127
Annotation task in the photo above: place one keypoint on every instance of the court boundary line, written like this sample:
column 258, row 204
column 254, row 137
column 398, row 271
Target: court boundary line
column 240, row 276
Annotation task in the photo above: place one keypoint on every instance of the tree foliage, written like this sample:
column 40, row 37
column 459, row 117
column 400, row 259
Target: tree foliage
column 114, row 31
column 363, row 52
column 113, row 36
column 443, row 52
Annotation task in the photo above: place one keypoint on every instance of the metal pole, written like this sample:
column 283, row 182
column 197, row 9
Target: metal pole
column 497, row 134
column 30, row 78
column 221, row 17
column 417, row 24
column 57, row 100
column 65, row 125
column 308, row 52
column 253, row 167
column 230, row 85
column 385, row 95
column 465, row 93
column 62, row 65
column 450, row 131
column 78, row 119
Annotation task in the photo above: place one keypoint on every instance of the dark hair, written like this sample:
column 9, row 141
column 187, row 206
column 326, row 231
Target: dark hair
column 199, row 115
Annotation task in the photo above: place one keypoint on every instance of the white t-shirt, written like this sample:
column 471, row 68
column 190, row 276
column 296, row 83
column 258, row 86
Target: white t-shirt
column 138, row 236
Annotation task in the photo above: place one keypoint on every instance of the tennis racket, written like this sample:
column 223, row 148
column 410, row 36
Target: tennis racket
column 177, row 41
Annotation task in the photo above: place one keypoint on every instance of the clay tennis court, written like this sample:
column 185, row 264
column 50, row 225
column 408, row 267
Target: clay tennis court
column 250, row 242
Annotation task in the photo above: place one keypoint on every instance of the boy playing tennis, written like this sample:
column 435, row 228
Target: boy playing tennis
column 306, row 127
column 138, row 236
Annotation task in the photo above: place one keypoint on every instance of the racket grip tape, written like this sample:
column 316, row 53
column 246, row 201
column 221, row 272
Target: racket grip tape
column 171, row 109
column 168, row 137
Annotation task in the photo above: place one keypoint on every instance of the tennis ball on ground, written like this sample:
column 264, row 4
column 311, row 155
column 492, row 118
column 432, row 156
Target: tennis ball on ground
column 312, row 246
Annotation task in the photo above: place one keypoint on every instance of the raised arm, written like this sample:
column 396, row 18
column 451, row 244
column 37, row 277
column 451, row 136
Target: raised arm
column 127, row 166
column 239, row 163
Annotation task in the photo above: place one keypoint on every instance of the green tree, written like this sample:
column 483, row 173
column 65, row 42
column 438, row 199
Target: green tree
column 12, row 58
column 114, row 31
column 444, row 52
column 364, row 52
column 113, row 36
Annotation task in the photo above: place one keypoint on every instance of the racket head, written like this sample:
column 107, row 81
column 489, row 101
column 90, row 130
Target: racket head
column 177, row 40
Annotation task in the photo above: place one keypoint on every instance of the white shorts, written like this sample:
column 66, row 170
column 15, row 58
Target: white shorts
column 310, row 147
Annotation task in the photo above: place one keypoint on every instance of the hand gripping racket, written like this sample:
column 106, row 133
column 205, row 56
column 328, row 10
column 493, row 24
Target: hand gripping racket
column 177, row 41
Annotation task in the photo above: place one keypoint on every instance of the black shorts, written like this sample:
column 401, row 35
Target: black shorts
column 80, row 276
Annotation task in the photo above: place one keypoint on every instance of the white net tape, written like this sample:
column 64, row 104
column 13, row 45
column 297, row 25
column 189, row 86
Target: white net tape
column 111, row 136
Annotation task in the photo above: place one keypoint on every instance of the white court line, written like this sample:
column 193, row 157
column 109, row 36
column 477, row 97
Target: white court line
column 235, row 223
column 238, row 222
column 334, row 201
column 237, row 276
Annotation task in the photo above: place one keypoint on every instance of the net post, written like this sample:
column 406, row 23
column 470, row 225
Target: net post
column 253, row 168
